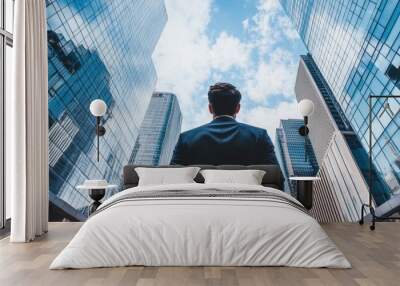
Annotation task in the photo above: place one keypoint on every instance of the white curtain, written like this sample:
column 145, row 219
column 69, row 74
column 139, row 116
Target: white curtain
column 27, row 124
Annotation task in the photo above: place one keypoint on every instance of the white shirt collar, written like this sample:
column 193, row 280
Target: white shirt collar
column 219, row 116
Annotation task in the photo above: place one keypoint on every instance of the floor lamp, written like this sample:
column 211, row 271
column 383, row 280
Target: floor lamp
column 375, row 218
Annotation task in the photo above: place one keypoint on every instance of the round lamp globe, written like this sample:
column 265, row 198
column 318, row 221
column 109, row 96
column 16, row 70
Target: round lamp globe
column 98, row 107
column 306, row 107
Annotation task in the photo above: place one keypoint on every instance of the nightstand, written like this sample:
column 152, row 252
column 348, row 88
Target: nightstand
column 305, row 190
column 97, row 190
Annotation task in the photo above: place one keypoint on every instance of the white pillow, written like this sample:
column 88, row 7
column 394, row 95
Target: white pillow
column 248, row 177
column 166, row 176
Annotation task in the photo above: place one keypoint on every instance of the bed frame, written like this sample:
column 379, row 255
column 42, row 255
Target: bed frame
column 272, row 178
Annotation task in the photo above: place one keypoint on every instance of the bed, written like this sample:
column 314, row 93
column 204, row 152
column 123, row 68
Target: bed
column 198, row 224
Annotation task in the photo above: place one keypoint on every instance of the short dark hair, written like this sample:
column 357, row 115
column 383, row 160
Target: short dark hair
column 224, row 98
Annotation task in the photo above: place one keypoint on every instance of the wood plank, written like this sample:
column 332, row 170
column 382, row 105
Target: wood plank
column 375, row 257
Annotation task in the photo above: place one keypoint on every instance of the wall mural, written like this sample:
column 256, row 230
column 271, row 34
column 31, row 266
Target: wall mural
column 214, row 83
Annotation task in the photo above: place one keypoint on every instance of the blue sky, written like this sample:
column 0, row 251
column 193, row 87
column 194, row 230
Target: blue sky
column 250, row 43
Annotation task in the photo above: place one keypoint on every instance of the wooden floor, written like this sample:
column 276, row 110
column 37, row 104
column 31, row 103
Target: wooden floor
column 375, row 257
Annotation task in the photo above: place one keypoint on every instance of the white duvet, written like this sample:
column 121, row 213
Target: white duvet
column 200, row 231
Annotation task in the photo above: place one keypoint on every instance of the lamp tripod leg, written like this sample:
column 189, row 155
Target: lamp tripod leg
column 372, row 211
column 361, row 221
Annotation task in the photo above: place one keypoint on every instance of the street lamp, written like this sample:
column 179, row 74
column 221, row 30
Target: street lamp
column 98, row 108
column 306, row 108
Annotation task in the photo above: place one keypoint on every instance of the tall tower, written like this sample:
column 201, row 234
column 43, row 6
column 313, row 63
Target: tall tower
column 294, row 152
column 354, row 46
column 96, row 49
column 159, row 131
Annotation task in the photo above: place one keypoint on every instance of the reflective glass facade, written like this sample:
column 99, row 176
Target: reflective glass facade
column 96, row 49
column 294, row 152
column 381, row 192
column 356, row 46
column 159, row 131
column 342, row 188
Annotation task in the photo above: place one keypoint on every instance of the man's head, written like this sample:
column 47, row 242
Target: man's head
column 224, row 99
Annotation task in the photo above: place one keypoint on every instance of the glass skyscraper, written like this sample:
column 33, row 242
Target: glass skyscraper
column 343, row 162
column 96, row 49
column 356, row 47
column 159, row 131
column 295, row 153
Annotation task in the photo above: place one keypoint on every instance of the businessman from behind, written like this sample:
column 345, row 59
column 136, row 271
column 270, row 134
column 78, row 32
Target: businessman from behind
column 224, row 141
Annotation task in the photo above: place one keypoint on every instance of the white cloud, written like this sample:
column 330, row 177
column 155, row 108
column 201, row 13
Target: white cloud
column 228, row 52
column 186, row 59
column 270, row 25
column 275, row 76
column 181, row 56
column 245, row 24
column 265, row 35
column 269, row 118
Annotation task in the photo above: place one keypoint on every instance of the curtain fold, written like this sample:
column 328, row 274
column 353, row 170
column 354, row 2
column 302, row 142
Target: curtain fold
column 27, row 124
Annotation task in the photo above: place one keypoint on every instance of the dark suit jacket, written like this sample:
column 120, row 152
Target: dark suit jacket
column 224, row 141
